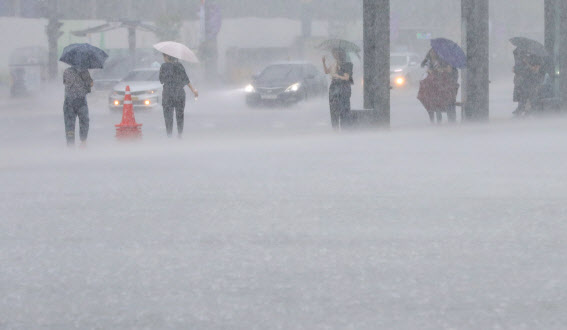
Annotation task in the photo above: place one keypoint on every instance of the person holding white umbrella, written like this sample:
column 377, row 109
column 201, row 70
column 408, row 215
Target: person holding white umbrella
column 174, row 78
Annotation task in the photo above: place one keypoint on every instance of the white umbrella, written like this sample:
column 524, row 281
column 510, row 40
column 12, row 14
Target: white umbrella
column 177, row 50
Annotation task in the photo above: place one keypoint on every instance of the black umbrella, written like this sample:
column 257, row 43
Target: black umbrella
column 84, row 56
column 347, row 46
column 530, row 46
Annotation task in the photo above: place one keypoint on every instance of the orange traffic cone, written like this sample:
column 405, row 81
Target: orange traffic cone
column 128, row 128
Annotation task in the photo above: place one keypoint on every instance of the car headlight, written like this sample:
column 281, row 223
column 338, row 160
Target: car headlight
column 153, row 91
column 400, row 81
column 293, row 88
column 249, row 89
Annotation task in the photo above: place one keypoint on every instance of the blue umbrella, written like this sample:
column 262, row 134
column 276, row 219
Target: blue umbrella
column 450, row 52
column 84, row 56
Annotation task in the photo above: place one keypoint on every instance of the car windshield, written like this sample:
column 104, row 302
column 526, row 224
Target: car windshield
column 149, row 75
column 398, row 60
column 280, row 72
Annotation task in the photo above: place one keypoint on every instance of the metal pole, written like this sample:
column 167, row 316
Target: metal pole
column 550, row 25
column 551, row 29
column 369, row 8
column 377, row 59
column 561, row 47
column 475, row 80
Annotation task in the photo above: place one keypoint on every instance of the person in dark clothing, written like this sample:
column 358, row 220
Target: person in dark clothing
column 174, row 78
column 529, row 74
column 78, row 83
column 340, row 89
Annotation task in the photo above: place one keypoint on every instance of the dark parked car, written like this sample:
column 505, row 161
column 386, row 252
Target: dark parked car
column 286, row 83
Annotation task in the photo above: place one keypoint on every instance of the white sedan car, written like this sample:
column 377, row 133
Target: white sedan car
column 145, row 88
column 405, row 70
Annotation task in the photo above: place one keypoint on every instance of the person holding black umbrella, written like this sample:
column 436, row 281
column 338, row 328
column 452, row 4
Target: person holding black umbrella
column 78, row 84
column 530, row 58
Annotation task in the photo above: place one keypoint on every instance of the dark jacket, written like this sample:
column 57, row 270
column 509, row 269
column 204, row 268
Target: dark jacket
column 173, row 76
column 77, row 83
column 343, row 85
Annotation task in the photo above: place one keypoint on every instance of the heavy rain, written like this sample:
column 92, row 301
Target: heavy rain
column 271, row 164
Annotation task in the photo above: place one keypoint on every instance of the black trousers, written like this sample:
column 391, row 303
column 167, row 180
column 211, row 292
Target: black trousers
column 339, row 103
column 174, row 104
column 451, row 115
column 73, row 108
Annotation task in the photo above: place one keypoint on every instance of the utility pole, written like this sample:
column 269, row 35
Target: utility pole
column 551, row 34
column 53, row 34
column 377, row 59
column 561, row 49
column 550, row 25
column 475, row 40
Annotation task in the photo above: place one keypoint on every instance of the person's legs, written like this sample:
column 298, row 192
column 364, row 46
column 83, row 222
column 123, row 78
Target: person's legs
column 334, row 106
column 168, row 116
column 439, row 116
column 83, row 113
column 180, row 115
column 520, row 109
column 452, row 114
column 431, row 116
column 345, row 110
column 335, row 117
column 69, row 117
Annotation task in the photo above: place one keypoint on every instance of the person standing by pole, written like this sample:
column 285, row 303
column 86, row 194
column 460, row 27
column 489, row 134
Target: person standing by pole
column 174, row 78
column 340, row 89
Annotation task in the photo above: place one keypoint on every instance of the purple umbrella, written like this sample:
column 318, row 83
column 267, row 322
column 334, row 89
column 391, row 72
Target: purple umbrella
column 450, row 52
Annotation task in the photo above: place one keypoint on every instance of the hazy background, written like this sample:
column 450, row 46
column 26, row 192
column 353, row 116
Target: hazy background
column 268, row 219
column 276, row 24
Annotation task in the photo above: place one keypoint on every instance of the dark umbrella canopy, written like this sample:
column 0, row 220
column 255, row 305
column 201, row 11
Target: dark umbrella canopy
column 347, row 46
column 450, row 52
column 84, row 56
column 530, row 46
